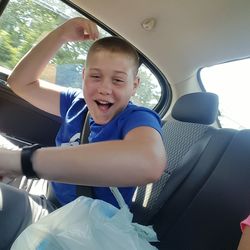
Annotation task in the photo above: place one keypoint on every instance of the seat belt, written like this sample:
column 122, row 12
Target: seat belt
column 85, row 129
column 85, row 190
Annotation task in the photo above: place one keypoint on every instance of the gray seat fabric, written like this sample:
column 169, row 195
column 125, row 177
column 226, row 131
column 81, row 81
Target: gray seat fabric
column 205, row 191
column 205, row 209
column 193, row 113
column 201, row 108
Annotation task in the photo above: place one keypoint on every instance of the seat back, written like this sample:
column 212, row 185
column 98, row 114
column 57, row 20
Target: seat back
column 191, row 116
column 205, row 210
column 205, row 191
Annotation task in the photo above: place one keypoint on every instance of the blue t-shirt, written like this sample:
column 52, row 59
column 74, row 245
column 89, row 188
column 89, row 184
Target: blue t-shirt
column 73, row 108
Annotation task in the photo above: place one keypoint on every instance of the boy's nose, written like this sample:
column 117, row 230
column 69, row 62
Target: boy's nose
column 105, row 87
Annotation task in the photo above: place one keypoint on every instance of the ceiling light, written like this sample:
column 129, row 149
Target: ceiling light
column 148, row 24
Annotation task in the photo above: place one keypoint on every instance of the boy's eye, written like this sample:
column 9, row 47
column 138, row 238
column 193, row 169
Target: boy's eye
column 118, row 81
column 95, row 76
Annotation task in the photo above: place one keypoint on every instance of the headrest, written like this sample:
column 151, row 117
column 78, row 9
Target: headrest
column 199, row 107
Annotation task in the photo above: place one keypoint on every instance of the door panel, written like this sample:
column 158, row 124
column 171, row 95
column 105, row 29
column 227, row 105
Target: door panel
column 23, row 121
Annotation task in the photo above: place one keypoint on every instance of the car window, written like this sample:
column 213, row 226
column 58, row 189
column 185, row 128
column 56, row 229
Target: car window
column 25, row 22
column 231, row 81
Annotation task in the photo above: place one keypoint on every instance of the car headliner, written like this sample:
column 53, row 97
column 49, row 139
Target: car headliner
column 188, row 34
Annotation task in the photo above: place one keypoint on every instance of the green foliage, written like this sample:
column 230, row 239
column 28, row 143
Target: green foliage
column 149, row 92
column 7, row 52
column 25, row 22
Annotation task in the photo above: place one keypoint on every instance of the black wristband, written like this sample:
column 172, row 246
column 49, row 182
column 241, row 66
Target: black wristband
column 26, row 162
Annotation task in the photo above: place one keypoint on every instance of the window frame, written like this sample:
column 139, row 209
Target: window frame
column 166, row 93
column 3, row 4
column 204, row 89
column 198, row 75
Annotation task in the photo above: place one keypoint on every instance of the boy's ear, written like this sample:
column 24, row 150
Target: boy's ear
column 136, row 84
column 83, row 73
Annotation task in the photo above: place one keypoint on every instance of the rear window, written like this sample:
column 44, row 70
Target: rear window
column 231, row 82
column 25, row 22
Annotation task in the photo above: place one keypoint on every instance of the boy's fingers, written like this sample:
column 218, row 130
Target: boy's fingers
column 92, row 30
column 86, row 29
column 86, row 36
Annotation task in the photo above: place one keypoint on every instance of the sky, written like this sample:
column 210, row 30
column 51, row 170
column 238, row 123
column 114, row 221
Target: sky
column 231, row 81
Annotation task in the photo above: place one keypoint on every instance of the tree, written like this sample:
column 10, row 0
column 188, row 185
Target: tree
column 7, row 52
column 149, row 92
column 25, row 22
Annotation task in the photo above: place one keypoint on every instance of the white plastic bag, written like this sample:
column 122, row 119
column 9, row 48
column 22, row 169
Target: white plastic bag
column 89, row 224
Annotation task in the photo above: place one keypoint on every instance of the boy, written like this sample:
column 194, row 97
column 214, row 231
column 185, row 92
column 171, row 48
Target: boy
column 125, row 148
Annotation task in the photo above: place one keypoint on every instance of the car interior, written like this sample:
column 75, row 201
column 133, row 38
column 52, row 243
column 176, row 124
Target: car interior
column 204, row 193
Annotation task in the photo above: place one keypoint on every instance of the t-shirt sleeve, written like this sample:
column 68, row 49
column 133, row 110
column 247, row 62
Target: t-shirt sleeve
column 142, row 117
column 245, row 223
column 67, row 97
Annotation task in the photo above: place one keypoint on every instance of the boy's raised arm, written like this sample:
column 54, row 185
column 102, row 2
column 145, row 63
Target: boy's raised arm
column 24, row 79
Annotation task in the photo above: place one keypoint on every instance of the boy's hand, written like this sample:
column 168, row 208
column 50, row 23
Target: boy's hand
column 79, row 29
column 10, row 164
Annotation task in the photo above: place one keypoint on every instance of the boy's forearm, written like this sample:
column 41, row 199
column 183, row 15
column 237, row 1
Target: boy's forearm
column 131, row 164
column 30, row 67
column 111, row 163
column 33, row 63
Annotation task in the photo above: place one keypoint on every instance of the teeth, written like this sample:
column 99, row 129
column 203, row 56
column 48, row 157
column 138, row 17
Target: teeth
column 103, row 102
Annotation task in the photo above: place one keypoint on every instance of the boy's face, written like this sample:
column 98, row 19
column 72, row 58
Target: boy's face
column 109, row 82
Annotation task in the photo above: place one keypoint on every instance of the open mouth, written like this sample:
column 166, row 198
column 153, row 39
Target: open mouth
column 103, row 105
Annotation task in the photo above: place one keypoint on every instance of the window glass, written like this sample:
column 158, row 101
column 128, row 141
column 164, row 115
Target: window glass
column 149, row 91
column 25, row 22
column 231, row 82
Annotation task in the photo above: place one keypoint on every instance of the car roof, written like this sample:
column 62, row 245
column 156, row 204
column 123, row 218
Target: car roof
column 188, row 35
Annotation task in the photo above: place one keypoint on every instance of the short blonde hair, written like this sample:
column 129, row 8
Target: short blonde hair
column 116, row 45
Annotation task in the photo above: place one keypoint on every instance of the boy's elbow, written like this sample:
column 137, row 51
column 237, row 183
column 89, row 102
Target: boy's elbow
column 11, row 83
column 157, row 172
column 157, row 166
